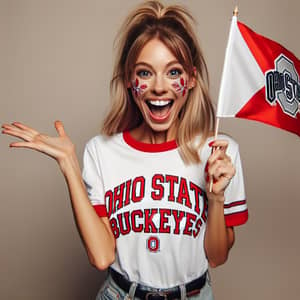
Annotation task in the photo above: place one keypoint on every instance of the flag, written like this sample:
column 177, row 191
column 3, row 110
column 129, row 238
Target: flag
column 260, row 80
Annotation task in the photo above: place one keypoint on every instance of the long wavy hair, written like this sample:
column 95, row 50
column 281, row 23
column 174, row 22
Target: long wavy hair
column 172, row 25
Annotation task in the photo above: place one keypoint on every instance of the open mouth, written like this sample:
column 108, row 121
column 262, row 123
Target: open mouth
column 159, row 109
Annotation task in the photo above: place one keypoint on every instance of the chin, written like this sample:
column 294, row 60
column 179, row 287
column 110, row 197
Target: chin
column 159, row 118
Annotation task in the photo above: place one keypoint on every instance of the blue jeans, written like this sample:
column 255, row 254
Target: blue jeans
column 111, row 291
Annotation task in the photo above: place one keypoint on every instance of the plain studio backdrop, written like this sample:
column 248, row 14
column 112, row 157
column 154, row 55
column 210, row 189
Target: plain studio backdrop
column 55, row 63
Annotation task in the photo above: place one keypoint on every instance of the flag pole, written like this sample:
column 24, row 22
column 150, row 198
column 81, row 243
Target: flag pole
column 235, row 13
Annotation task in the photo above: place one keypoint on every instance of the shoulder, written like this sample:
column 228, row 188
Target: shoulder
column 100, row 147
column 100, row 140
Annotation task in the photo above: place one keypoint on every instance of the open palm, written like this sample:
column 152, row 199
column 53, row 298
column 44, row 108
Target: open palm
column 56, row 147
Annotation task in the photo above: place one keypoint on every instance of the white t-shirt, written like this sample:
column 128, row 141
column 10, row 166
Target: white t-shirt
column 157, row 206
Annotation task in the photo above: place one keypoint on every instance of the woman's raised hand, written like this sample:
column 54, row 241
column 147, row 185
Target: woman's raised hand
column 58, row 148
column 219, row 169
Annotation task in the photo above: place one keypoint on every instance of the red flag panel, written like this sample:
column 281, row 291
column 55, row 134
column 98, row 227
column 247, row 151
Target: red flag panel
column 258, row 109
column 264, row 50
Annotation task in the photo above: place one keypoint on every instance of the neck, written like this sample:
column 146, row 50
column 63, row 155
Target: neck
column 145, row 134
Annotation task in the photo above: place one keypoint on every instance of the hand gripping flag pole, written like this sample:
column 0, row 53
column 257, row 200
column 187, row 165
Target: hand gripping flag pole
column 228, row 50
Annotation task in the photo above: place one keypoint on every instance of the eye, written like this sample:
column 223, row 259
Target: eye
column 174, row 73
column 143, row 73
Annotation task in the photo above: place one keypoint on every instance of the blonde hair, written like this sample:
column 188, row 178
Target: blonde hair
column 172, row 26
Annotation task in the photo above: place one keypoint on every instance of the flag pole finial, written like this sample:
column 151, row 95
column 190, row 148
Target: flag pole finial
column 236, row 11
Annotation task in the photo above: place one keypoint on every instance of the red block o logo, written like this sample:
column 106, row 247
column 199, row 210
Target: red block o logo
column 153, row 244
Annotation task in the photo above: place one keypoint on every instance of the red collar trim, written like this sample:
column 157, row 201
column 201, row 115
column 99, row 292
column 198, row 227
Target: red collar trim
column 145, row 147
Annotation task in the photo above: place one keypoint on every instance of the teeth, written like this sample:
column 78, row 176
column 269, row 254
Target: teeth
column 160, row 102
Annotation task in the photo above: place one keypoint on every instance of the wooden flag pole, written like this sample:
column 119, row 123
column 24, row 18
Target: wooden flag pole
column 235, row 13
column 213, row 149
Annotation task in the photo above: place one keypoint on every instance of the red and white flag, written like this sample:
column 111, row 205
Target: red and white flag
column 260, row 80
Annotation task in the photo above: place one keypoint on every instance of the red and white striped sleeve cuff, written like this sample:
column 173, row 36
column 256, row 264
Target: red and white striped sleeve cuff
column 236, row 213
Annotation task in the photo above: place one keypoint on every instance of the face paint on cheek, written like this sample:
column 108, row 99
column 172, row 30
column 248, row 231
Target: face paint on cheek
column 137, row 87
column 180, row 86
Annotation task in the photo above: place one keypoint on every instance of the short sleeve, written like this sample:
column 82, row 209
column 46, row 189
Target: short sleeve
column 235, row 206
column 92, row 178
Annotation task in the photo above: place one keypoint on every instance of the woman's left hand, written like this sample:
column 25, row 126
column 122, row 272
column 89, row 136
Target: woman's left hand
column 219, row 170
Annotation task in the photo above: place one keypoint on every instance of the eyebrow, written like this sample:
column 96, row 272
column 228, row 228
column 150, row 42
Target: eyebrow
column 172, row 62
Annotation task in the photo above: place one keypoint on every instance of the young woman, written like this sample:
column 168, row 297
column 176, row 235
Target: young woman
column 142, row 203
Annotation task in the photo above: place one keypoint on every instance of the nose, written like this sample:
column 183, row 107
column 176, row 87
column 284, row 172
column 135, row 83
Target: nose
column 159, row 85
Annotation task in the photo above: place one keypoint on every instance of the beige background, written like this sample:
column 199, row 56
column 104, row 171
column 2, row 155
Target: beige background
column 55, row 63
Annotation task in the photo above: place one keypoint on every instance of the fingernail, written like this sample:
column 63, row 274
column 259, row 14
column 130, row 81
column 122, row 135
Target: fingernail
column 211, row 143
column 206, row 167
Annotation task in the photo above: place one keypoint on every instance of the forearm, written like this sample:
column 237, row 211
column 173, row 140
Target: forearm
column 95, row 232
column 218, row 238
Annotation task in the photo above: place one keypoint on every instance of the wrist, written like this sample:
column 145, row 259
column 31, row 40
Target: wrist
column 220, row 199
column 69, row 163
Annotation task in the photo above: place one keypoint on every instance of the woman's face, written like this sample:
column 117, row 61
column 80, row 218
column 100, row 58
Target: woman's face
column 159, row 86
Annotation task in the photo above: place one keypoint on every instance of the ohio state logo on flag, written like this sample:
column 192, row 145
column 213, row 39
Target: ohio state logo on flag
column 260, row 80
column 282, row 86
